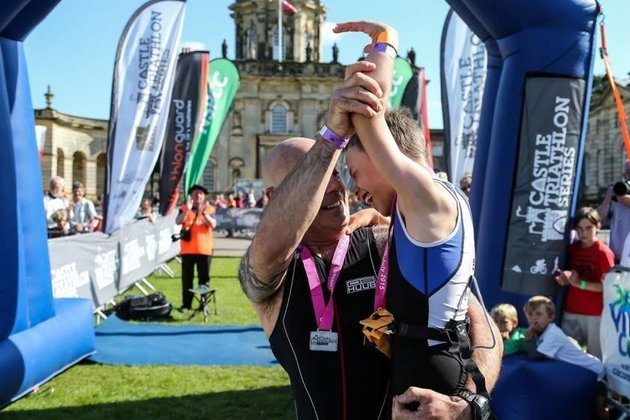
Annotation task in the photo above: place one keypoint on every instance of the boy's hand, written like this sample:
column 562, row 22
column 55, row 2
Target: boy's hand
column 562, row 277
column 365, row 218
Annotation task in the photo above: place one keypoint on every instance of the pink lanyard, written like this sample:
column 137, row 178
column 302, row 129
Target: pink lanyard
column 324, row 313
column 383, row 271
column 381, row 280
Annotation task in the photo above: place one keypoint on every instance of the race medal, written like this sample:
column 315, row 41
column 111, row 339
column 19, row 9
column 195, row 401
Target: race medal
column 323, row 341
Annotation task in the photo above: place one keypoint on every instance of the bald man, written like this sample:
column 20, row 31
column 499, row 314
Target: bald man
column 290, row 269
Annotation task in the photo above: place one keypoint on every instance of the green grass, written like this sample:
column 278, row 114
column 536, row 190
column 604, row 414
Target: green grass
column 91, row 391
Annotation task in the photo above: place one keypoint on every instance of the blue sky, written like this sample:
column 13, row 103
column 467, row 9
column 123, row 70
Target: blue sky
column 73, row 49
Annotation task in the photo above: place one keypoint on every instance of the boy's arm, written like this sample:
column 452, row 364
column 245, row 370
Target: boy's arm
column 430, row 211
column 532, row 349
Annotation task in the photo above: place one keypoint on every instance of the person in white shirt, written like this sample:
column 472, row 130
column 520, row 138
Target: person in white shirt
column 82, row 210
column 54, row 200
column 546, row 340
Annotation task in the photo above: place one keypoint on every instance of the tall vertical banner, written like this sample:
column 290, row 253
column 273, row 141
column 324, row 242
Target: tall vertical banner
column 463, row 76
column 223, row 83
column 415, row 98
column 544, row 183
column 615, row 330
column 141, row 92
column 402, row 74
column 188, row 102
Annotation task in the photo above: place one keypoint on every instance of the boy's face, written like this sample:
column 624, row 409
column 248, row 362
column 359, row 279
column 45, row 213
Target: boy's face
column 587, row 232
column 506, row 325
column 539, row 319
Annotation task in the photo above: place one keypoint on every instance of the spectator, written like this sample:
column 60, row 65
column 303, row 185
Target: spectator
column 196, row 248
column 62, row 227
column 262, row 201
column 220, row 202
column 97, row 223
column 146, row 211
column 616, row 209
column 54, row 200
column 546, row 340
column 231, row 202
column 589, row 261
column 82, row 212
column 466, row 183
column 506, row 318
column 251, row 199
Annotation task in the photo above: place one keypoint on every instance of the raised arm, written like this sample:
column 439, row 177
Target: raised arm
column 429, row 209
column 296, row 201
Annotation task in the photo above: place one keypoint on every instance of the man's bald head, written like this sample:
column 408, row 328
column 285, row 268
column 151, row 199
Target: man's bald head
column 283, row 158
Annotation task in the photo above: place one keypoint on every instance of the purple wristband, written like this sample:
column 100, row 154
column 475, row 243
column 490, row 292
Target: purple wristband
column 332, row 137
column 385, row 48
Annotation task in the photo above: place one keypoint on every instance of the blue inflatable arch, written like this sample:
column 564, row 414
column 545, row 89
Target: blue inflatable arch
column 524, row 39
column 39, row 336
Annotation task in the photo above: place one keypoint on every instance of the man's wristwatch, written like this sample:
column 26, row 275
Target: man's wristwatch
column 479, row 405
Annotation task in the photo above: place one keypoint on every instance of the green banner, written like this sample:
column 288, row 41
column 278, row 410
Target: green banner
column 223, row 83
column 402, row 74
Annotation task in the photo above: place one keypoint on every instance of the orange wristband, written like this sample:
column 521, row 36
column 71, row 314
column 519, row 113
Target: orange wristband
column 386, row 37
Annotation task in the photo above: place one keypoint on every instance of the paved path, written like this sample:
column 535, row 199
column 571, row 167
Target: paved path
column 230, row 247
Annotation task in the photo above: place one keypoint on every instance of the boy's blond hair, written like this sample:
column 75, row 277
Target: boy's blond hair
column 536, row 301
column 504, row 310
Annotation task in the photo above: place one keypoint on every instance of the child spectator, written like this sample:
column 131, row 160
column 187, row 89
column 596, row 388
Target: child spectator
column 62, row 227
column 546, row 340
column 589, row 261
column 506, row 318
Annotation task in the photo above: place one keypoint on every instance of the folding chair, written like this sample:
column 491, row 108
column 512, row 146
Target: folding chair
column 204, row 296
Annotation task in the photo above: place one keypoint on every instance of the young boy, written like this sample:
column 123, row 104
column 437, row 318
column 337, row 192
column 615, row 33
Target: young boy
column 506, row 318
column 589, row 261
column 546, row 340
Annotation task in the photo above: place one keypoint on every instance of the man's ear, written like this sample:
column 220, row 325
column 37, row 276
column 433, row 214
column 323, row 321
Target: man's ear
column 269, row 191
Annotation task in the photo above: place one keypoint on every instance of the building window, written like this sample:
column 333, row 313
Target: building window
column 279, row 119
column 208, row 175
column 61, row 163
column 276, row 43
column 101, row 163
column 250, row 51
column 78, row 168
column 587, row 171
column 601, row 181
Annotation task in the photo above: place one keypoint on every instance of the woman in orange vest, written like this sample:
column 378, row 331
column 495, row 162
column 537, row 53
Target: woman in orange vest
column 196, row 241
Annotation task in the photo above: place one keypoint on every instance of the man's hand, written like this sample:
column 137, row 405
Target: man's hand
column 359, row 94
column 432, row 405
column 365, row 218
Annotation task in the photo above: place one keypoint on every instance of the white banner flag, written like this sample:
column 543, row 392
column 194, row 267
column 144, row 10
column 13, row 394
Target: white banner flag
column 464, row 66
column 143, row 80
column 615, row 330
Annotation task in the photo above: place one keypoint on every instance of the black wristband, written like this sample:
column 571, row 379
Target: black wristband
column 479, row 404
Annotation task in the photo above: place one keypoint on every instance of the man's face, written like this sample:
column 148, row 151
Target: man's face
column 56, row 188
column 371, row 187
column 334, row 213
column 198, row 197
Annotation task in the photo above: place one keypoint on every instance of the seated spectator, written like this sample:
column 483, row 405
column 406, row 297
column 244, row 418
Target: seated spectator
column 146, row 211
column 546, row 340
column 62, row 227
column 251, row 199
column 82, row 211
column 465, row 184
column 589, row 261
column 506, row 318
column 54, row 200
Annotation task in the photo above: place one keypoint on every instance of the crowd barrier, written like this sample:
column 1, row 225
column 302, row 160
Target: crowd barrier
column 99, row 267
